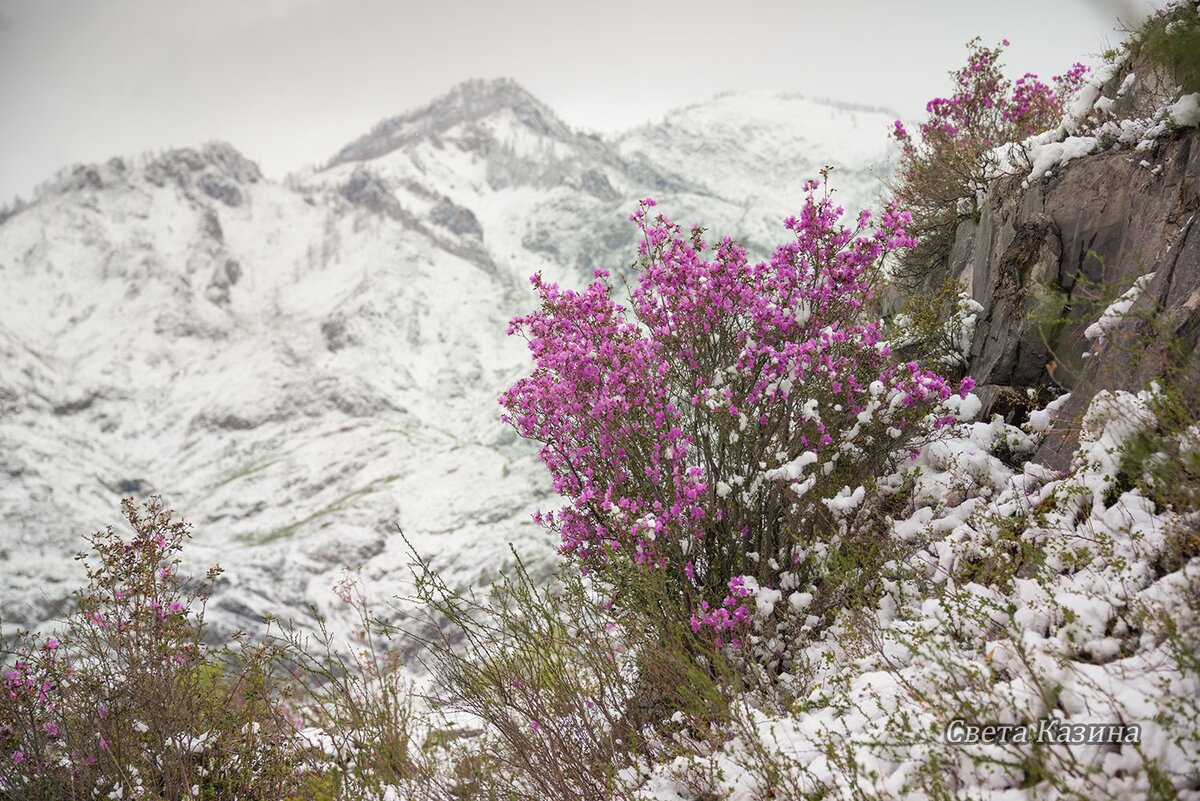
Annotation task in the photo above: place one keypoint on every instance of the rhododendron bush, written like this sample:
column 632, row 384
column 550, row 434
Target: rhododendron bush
column 946, row 166
column 125, row 699
column 727, row 415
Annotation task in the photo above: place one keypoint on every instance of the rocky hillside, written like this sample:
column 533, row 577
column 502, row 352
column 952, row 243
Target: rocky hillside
column 1052, row 246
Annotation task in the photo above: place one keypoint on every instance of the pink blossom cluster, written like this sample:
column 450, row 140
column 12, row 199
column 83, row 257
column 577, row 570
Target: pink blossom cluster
column 134, row 614
column 31, row 725
column 986, row 109
column 728, row 619
column 714, row 370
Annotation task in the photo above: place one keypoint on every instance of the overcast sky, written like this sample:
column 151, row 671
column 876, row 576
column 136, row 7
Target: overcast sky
column 288, row 82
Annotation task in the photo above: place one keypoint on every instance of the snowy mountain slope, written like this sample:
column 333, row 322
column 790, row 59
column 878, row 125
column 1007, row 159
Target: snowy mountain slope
column 206, row 351
column 300, row 367
column 755, row 149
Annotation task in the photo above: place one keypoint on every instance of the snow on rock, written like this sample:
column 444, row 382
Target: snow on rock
column 1040, row 419
column 1087, row 96
column 1185, row 112
column 1116, row 311
column 1088, row 122
column 1047, row 156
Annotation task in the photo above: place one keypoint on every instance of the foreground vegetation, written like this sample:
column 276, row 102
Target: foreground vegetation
column 791, row 558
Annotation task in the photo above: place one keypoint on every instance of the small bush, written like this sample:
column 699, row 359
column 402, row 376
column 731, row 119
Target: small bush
column 127, row 699
column 370, row 728
column 1170, row 39
column 728, row 418
column 944, row 169
column 1138, row 335
column 935, row 329
column 575, row 698
column 1162, row 462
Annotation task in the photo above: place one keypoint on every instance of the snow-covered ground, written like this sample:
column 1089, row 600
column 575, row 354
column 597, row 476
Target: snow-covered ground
column 1024, row 596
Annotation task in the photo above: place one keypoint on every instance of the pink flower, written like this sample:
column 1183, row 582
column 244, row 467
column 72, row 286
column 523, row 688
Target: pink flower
column 18, row 757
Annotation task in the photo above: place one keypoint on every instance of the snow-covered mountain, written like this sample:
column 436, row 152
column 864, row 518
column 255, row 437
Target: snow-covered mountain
column 300, row 367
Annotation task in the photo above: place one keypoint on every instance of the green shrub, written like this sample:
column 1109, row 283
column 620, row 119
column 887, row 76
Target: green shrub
column 1170, row 39
column 573, row 693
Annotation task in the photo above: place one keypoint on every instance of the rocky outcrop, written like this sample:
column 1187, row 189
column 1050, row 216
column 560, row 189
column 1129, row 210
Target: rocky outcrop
column 364, row 189
column 216, row 168
column 1042, row 258
column 1159, row 337
column 596, row 184
column 458, row 219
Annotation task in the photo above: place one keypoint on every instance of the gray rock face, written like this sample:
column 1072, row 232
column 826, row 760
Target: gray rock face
column 223, row 278
column 337, row 334
column 458, row 219
column 596, row 184
column 1041, row 258
column 1159, row 337
column 224, row 191
column 364, row 189
column 1011, row 348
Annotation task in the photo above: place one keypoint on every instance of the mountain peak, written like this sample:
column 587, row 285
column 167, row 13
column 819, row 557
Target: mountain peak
column 467, row 102
column 481, row 90
column 216, row 167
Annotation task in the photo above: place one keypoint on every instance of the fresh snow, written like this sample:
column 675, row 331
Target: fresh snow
column 1056, row 645
column 1185, row 112
column 1112, row 316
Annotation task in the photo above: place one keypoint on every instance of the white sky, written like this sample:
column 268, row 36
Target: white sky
column 288, row 82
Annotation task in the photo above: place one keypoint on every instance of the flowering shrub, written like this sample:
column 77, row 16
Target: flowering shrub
column 728, row 415
column 126, row 701
column 944, row 169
